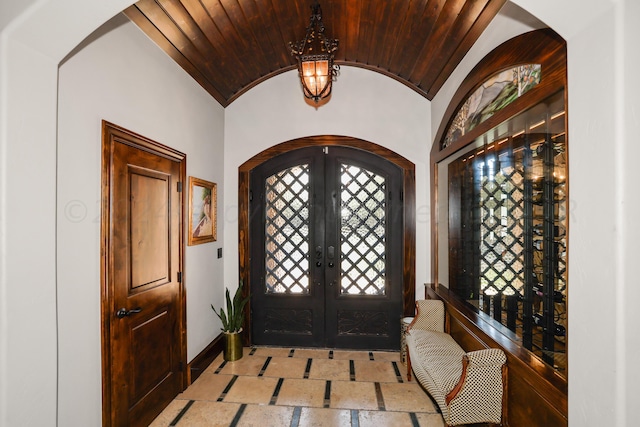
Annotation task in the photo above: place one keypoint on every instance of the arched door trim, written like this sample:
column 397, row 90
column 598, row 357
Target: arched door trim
column 409, row 220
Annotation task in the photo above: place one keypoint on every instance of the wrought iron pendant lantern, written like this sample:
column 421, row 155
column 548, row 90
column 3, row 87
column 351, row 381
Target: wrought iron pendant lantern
column 314, row 54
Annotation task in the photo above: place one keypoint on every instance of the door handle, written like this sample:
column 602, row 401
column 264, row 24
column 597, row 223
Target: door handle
column 123, row 312
column 331, row 252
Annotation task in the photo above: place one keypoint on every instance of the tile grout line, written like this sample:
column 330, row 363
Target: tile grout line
column 227, row 388
column 327, row 394
column 308, row 368
column 414, row 419
column 222, row 365
column 181, row 413
column 295, row 420
column 253, row 351
column 276, row 392
column 398, row 374
column 264, row 367
column 355, row 422
column 379, row 397
column 236, row 419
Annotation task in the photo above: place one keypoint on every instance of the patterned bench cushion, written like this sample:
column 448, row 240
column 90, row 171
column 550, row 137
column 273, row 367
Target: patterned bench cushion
column 442, row 354
column 436, row 360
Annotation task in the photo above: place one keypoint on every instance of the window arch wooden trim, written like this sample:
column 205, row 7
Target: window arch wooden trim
column 544, row 47
column 409, row 211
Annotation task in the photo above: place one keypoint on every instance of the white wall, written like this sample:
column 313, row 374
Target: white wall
column 627, row 125
column 363, row 104
column 120, row 76
column 602, row 56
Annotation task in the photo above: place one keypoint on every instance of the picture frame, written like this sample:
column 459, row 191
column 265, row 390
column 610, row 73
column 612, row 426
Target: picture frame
column 203, row 202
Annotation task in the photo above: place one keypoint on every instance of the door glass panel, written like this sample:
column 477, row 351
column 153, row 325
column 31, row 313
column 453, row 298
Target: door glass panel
column 362, row 231
column 287, row 231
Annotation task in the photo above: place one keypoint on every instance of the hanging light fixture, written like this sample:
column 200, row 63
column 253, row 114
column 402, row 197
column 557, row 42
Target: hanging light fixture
column 315, row 58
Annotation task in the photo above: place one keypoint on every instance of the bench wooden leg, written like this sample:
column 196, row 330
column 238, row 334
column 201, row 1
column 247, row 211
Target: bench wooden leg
column 408, row 365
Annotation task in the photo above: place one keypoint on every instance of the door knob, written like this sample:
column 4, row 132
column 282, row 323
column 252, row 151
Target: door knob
column 331, row 252
column 123, row 312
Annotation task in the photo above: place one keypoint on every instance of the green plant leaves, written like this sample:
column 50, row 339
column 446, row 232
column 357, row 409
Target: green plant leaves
column 232, row 319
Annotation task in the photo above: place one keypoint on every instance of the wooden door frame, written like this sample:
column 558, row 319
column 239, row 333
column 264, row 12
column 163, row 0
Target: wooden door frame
column 110, row 135
column 409, row 211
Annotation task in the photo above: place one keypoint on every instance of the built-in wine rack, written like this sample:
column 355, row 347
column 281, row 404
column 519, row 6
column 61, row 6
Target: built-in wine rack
column 508, row 229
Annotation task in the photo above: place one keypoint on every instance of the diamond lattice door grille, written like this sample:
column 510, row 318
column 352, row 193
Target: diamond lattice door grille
column 362, row 231
column 287, row 231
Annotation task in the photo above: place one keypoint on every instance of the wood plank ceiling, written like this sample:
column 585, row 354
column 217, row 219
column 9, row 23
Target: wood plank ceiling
column 229, row 46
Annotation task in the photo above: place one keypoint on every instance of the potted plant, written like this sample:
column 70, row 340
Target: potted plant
column 232, row 324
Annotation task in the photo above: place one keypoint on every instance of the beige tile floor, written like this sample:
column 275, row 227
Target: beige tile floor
column 303, row 387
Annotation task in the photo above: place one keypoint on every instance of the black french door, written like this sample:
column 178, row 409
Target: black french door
column 326, row 230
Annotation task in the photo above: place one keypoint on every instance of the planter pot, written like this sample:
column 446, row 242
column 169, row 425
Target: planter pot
column 232, row 346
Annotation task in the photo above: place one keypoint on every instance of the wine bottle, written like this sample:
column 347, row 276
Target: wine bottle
column 559, row 330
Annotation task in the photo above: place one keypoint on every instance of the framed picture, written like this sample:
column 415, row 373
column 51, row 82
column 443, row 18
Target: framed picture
column 202, row 211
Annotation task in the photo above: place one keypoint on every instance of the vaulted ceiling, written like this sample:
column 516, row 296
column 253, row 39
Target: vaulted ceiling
column 229, row 46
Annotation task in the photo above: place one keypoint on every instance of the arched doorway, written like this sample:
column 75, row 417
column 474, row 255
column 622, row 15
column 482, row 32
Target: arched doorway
column 319, row 291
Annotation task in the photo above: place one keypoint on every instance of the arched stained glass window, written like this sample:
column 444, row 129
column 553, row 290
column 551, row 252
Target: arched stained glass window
column 500, row 90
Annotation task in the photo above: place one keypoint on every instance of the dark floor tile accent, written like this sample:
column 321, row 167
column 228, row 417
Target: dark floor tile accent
column 380, row 398
column 371, row 355
column 182, row 412
column 264, row 367
column 291, row 352
column 227, row 388
column 276, row 392
column 327, row 395
column 355, row 422
column 236, row 419
column 398, row 374
column 330, row 354
column 352, row 370
column 414, row 419
column 220, row 367
column 308, row 368
column 295, row 420
column 253, row 351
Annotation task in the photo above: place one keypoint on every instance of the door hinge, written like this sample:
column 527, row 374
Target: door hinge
column 250, row 196
column 402, row 196
column 325, row 150
column 179, row 276
column 179, row 187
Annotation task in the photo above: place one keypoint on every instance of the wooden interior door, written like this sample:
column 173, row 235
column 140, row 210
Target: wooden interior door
column 143, row 296
column 326, row 250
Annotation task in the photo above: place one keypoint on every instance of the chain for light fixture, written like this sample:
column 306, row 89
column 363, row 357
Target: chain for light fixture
column 314, row 54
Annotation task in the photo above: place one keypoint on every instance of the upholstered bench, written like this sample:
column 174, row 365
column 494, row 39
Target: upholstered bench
column 469, row 387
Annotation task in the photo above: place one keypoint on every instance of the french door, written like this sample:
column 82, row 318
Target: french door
column 326, row 227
